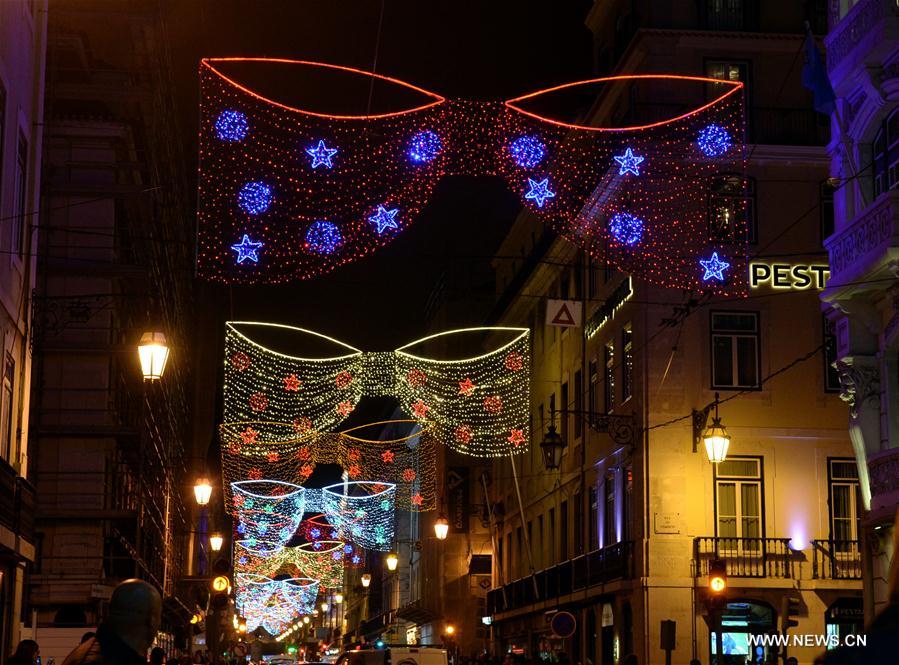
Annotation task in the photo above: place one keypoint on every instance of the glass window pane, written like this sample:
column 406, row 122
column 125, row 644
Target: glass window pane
column 722, row 360
column 747, row 361
column 727, row 510
column 741, row 468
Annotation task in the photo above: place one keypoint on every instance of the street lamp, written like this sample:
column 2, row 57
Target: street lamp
column 366, row 580
column 305, row 619
column 203, row 491
column 716, row 439
column 450, row 629
column 441, row 527
column 153, row 353
column 338, row 598
column 552, row 446
column 392, row 561
column 324, row 607
column 215, row 542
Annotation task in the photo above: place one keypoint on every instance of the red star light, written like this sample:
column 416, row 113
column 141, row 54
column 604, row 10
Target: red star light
column 463, row 434
column 301, row 425
column 387, row 456
column 248, row 436
column 409, row 475
column 417, row 499
column 466, row 386
column 354, row 471
column 416, row 378
column 344, row 408
column 292, row 383
column 343, row 379
column 353, row 454
column 420, row 409
column 516, row 438
column 254, row 474
column 272, row 457
column 303, row 454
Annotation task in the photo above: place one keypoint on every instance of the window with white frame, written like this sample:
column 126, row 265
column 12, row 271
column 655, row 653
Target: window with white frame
column 844, row 503
column 735, row 350
column 739, row 502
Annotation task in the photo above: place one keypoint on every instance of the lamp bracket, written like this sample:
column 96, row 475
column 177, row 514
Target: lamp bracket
column 621, row 428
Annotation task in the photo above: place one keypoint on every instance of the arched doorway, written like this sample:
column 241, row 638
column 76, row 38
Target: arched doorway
column 740, row 619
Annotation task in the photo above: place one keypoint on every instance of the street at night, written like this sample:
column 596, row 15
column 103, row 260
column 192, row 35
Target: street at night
column 403, row 332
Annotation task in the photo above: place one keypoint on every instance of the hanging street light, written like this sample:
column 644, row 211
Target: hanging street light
column 441, row 527
column 716, row 439
column 552, row 446
column 153, row 353
column 392, row 561
column 324, row 607
column 215, row 542
column 203, row 491
column 338, row 598
column 366, row 580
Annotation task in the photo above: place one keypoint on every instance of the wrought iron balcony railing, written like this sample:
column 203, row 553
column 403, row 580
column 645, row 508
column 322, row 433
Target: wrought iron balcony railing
column 601, row 566
column 836, row 560
column 745, row 557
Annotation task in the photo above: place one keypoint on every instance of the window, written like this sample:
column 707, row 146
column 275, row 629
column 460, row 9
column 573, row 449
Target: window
column 6, row 410
column 831, row 375
column 564, row 416
column 593, row 527
column 735, row 350
column 529, row 543
column 510, row 573
column 565, row 284
column 886, row 155
column 725, row 70
column 578, row 523
column 591, row 278
column 825, row 208
column 552, row 536
column 738, row 502
column 731, row 209
column 578, row 404
column 609, row 387
column 563, row 531
column 844, row 504
column 20, row 209
column 519, row 552
column 627, row 363
column 500, row 558
column 628, row 508
column 541, row 545
column 609, row 535
column 591, row 397
column 726, row 15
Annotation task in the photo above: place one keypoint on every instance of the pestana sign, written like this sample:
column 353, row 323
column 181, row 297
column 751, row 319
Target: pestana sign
column 796, row 276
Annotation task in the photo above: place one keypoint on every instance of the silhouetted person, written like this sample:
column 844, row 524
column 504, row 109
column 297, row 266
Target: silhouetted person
column 157, row 656
column 26, row 653
column 135, row 613
column 630, row 659
column 792, row 660
column 695, row 661
column 88, row 635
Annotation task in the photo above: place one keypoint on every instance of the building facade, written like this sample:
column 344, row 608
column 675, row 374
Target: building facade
column 863, row 295
column 23, row 35
column 624, row 533
column 111, row 452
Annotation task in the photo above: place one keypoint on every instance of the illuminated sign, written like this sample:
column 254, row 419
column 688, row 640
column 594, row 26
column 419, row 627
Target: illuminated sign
column 788, row 276
column 606, row 311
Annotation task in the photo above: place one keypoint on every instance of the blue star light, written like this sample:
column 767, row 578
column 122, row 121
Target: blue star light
column 714, row 268
column 626, row 228
column 247, row 249
column 384, row 219
column 539, row 191
column 527, row 151
column 321, row 154
column 323, row 237
column 629, row 162
column 255, row 197
column 424, row 146
column 231, row 126
column 713, row 140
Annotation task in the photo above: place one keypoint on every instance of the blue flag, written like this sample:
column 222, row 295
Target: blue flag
column 814, row 77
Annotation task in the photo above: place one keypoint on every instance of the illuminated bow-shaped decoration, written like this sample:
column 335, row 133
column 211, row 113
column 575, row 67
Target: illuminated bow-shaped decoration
column 652, row 183
column 478, row 403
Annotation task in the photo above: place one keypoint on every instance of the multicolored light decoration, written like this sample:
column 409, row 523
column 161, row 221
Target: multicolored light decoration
column 658, row 166
column 300, row 592
column 267, row 510
column 322, row 560
column 363, row 512
column 475, row 402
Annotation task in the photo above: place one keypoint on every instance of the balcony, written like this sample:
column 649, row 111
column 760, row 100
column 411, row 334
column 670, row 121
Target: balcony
column 16, row 503
column 595, row 568
column 836, row 560
column 745, row 557
column 865, row 34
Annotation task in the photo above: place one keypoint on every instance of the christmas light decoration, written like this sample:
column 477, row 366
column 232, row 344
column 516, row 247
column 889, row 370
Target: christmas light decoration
column 247, row 249
column 323, row 237
column 527, row 151
column 267, row 510
column 713, row 267
column 258, row 557
column 629, row 162
column 474, row 402
column 321, row 155
column 384, row 219
column 362, row 511
column 424, row 147
column 395, row 160
column 231, row 126
column 626, row 228
column 300, row 592
column 539, row 191
column 322, row 560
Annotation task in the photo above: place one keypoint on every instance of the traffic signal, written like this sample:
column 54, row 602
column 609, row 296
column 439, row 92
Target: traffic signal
column 717, row 583
column 220, row 583
column 789, row 607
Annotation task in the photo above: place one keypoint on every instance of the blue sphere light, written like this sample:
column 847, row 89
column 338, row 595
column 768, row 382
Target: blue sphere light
column 323, row 237
column 424, row 147
column 626, row 228
column 713, row 140
column 527, row 151
column 231, row 126
column 255, row 197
